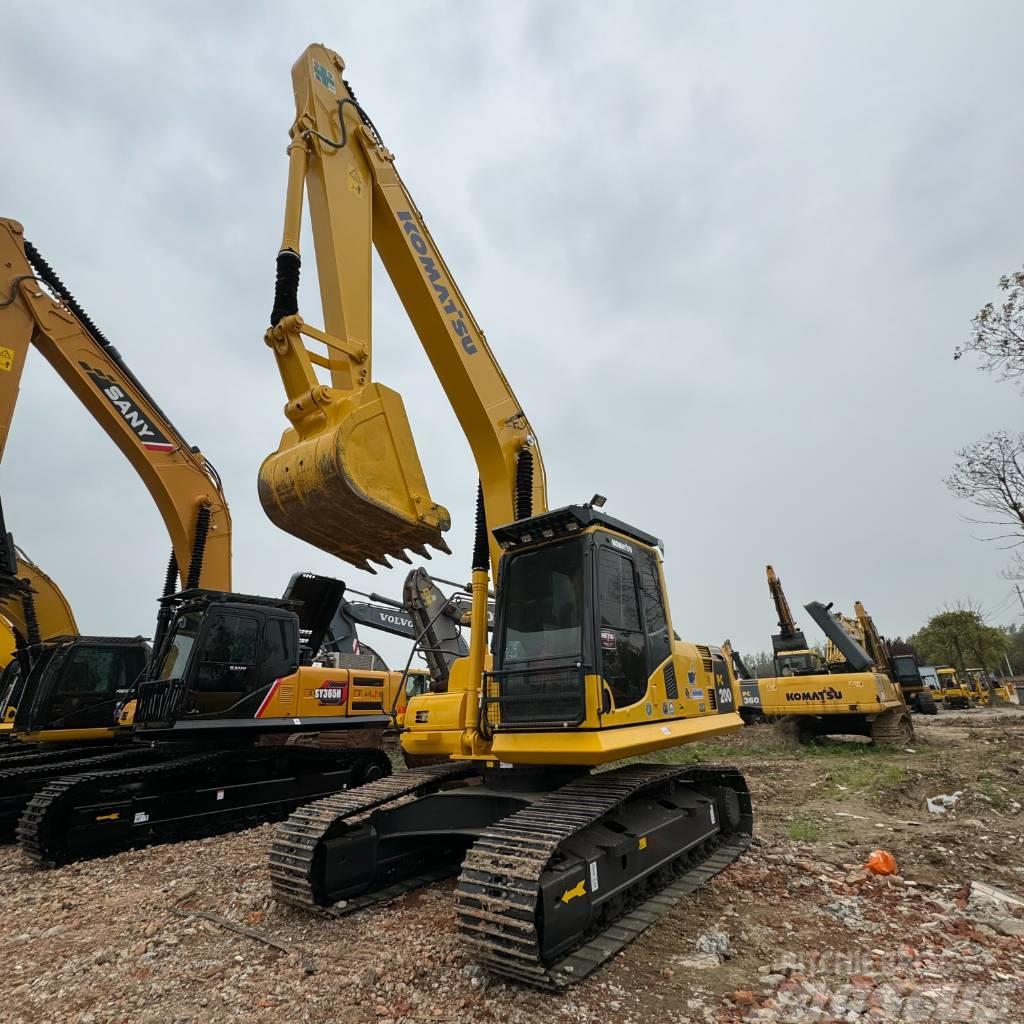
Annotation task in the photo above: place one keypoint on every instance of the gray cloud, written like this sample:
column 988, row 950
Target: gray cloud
column 723, row 254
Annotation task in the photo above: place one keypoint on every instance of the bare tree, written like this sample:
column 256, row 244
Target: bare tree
column 998, row 331
column 990, row 474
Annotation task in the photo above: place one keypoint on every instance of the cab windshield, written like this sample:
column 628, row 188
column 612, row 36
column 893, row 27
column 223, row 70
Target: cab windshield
column 179, row 646
column 542, row 614
column 793, row 664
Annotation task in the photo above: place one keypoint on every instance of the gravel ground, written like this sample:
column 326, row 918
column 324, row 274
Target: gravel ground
column 795, row 931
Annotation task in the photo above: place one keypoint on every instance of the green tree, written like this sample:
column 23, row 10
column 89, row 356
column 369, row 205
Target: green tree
column 961, row 638
column 761, row 663
column 1015, row 647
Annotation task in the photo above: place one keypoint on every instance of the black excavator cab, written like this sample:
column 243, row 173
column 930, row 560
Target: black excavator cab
column 221, row 653
column 76, row 683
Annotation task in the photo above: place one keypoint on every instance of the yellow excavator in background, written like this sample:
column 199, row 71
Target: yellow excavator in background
column 70, row 684
column 233, row 720
column 977, row 683
column 901, row 668
column 953, row 693
column 33, row 610
column 560, row 866
column 792, row 654
column 849, row 691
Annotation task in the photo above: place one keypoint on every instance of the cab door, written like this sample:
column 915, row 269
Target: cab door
column 622, row 643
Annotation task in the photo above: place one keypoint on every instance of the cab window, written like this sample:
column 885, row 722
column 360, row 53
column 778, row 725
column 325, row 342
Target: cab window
column 622, row 642
column 228, row 658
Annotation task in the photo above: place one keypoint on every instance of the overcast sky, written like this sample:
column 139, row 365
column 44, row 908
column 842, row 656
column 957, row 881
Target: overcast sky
column 723, row 253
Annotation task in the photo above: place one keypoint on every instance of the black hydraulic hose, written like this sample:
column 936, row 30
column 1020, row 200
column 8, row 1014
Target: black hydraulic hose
column 286, row 286
column 481, row 553
column 33, row 636
column 195, row 566
column 524, row 483
column 171, row 579
column 165, row 614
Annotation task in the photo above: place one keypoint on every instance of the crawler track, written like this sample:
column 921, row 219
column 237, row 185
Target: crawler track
column 293, row 856
column 97, row 813
column 498, row 897
column 893, row 728
column 22, row 778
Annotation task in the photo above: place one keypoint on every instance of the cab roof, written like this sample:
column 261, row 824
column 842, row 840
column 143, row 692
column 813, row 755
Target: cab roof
column 561, row 522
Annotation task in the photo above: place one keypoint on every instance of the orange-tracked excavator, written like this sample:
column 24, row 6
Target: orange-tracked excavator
column 560, row 865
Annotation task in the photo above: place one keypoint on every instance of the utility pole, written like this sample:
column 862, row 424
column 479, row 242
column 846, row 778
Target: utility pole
column 1020, row 595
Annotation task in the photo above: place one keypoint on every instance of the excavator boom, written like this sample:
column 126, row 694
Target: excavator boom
column 347, row 476
column 37, row 310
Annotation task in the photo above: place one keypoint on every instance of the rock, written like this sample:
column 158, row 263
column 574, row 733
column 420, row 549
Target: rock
column 715, row 943
column 1009, row 926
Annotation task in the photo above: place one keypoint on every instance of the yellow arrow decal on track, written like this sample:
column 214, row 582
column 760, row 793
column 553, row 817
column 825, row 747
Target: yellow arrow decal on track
column 579, row 889
column 109, row 817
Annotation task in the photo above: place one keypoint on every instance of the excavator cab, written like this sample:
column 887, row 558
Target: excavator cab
column 582, row 637
column 219, row 657
column 75, row 685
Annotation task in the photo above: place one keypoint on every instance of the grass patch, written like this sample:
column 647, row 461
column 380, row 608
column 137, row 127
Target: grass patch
column 804, row 830
column 998, row 793
column 870, row 778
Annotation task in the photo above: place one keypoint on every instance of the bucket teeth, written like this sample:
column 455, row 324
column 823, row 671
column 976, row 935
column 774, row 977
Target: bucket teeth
column 421, row 551
column 383, row 560
column 366, row 567
column 441, row 545
column 402, row 556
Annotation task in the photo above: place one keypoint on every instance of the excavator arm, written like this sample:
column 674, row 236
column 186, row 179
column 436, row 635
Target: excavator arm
column 347, row 476
column 873, row 641
column 37, row 310
column 789, row 637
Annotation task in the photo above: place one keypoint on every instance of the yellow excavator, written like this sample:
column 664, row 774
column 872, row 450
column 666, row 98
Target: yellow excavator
column 70, row 684
column 793, row 655
column 852, row 690
column 901, row 668
column 33, row 611
column 560, row 866
column 855, row 697
column 209, row 729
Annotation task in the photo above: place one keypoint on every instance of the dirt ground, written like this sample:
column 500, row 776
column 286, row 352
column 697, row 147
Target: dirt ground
column 793, row 932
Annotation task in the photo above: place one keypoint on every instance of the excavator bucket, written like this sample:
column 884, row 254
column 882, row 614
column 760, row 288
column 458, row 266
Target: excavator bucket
column 353, row 485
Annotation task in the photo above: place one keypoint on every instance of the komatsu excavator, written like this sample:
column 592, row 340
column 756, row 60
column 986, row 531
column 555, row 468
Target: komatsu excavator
column 560, row 865
column 853, row 696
